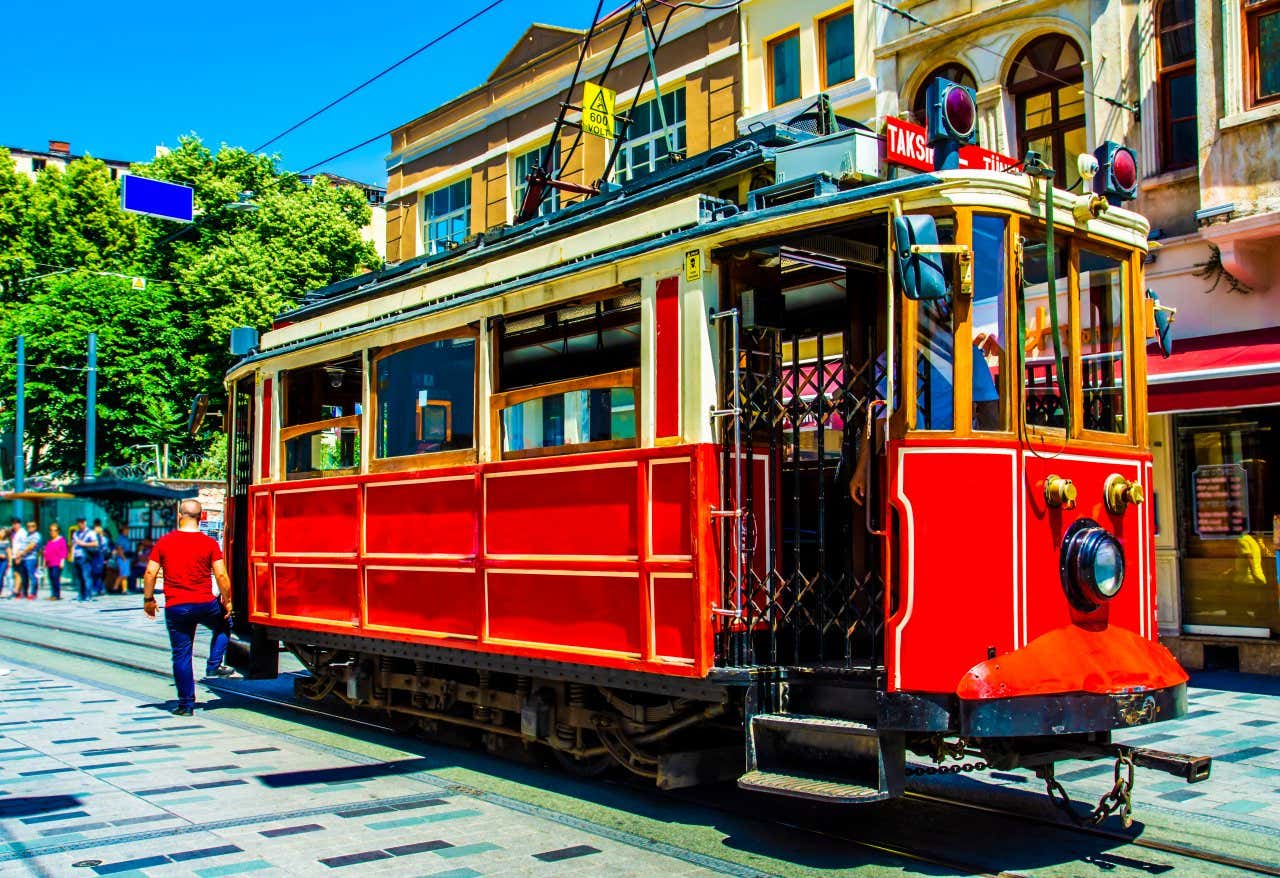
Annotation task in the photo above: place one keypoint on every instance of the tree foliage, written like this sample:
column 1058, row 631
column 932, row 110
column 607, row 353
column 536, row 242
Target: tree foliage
column 69, row 257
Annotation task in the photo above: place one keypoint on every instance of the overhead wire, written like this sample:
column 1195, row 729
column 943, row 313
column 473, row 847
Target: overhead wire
column 371, row 80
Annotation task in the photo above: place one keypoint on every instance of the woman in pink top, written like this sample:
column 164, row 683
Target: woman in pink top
column 55, row 555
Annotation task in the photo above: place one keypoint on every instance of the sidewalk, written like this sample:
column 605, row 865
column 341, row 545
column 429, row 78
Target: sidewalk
column 95, row 782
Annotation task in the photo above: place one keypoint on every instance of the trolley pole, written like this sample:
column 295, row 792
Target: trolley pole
column 91, row 410
column 20, row 426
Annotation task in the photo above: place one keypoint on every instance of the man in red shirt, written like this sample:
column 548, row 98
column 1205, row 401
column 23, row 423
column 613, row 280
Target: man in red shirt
column 189, row 559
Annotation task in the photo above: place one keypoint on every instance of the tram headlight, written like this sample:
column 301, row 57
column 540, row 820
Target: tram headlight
column 1092, row 565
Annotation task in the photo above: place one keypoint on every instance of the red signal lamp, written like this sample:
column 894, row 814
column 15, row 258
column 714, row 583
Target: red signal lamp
column 951, row 120
column 1117, row 178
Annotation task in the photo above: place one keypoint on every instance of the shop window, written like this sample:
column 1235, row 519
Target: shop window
column 1177, row 83
column 446, row 217
column 320, row 424
column 1043, row 387
column 957, row 73
column 837, row 48
column 425, row 398
column 784, row 68
column 568, row 378
column 1262, row 33
column 990, row 304
column 1229, row 500
column 1102, row 346
column 649, row 144
column 1047, row 83
column 522, row 166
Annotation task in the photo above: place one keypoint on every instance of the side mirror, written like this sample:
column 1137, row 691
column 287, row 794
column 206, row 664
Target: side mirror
column 918, row 257
column 1163, row 318
column 199, row 405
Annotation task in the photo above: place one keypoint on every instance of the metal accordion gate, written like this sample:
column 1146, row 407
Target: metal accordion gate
column 802, row 584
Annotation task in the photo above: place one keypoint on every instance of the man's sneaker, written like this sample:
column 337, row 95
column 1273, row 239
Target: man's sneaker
column 182, row 710
column 223, row 673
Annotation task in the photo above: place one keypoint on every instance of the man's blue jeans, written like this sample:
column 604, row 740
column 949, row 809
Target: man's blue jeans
column 182, row 621
column 30, row 565
column 85, row 577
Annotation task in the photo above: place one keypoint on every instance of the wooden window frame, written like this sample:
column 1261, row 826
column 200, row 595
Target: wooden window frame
column 429, row 459
column 288, row 434
column 1164, row 73
column 1252, row 69
column 821, row 31
column 769, row 45
column 498, row 402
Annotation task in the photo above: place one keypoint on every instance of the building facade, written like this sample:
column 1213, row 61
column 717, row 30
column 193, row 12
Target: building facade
column 58, row 155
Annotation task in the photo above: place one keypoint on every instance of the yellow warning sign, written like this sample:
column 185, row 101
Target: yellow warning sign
column 693, row 265
column 597, row 109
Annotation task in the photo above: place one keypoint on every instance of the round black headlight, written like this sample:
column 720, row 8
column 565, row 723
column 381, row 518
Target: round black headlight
column 1092, row 565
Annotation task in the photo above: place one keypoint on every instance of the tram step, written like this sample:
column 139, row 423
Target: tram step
column 816, row 788
column 824, row 758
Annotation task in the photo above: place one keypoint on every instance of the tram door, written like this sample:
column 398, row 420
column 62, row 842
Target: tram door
column 807, row 369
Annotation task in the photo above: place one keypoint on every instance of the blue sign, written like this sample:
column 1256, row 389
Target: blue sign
column 171, row 201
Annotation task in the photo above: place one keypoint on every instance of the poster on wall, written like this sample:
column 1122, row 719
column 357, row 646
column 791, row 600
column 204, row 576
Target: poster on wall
column 1220, row 501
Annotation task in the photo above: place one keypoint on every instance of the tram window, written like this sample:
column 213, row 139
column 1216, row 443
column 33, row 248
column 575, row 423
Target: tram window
column 935, row 349
column 426, row 398
column 1043, row 389
column 320, row 430
column 1102, row 342
column 567, row 378
column 990, row 303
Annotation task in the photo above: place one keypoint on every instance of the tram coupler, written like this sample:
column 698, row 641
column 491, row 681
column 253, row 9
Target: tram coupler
column 1193, row 769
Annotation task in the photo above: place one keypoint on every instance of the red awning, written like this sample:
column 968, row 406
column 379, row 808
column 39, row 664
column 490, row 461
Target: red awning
column 1230, row 370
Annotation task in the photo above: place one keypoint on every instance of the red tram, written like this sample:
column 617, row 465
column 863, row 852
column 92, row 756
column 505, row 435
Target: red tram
column 827, row 468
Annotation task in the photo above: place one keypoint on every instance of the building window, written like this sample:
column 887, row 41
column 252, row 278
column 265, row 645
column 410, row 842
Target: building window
column 320, row 427
column 784, row 68
column 525, row 163
column 957, row 73
column 1047, row 82
column 426, row 398
column 38, row 165
column 837, row 48
column 1262, row 29
column 446, row 216
column 1177, row 78
column 648, row 147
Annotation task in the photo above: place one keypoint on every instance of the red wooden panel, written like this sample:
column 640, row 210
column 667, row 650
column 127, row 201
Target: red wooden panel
column 421, row 518
column 667, row 358
column 265, row 422
column 568, row 512
column 317, row 520
column 670, row 494
column 261, row 524
column 260, row 589
column 318, row 592
column 675, row 616
column 449, row 601
column 591, row 611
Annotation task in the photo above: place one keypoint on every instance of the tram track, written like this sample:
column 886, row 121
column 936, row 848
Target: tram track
column 743, row 810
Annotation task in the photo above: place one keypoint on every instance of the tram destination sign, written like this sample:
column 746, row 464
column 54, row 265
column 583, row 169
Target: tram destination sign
column 906, row 144
column 1220, row 501
column 158, row 198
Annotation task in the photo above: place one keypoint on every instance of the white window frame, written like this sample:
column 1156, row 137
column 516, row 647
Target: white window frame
column 626, row 170
column 519, row 184
column 432, row 245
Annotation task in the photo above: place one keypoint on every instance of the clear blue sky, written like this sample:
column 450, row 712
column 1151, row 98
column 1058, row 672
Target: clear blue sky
column 118, row 80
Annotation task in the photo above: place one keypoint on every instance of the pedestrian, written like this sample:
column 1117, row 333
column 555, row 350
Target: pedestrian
column 139, row 565
column 125, row 568
column 55, row 555
column 82, row 540
column 98, row 559
column 189, row 558
column 6, row 565
column 26, row 557
column 120, row 564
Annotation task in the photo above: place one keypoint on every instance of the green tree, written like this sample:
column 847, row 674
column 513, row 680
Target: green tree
column 15, row 199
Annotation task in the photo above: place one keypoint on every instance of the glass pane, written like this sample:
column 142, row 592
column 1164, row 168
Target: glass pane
column 1182, row 96
column 1039, row 110
column 333, row 448
column 1182, row 143
column 1070, row 102
column 990, row 346
column 1075, row 145
column 935, row 358
column 1043, row 389
column 1177, row 45
column 838, row 47
column 785, row 61
column 1268, row 55
column 573, row 417
column 1102, row 342
column 426, row 398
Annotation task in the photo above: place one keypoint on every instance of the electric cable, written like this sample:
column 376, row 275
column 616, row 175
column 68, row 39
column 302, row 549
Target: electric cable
column 415, row 53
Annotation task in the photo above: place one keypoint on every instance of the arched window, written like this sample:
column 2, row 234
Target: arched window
column 1177, row 79
column 1047, row 84
column 953, row 71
